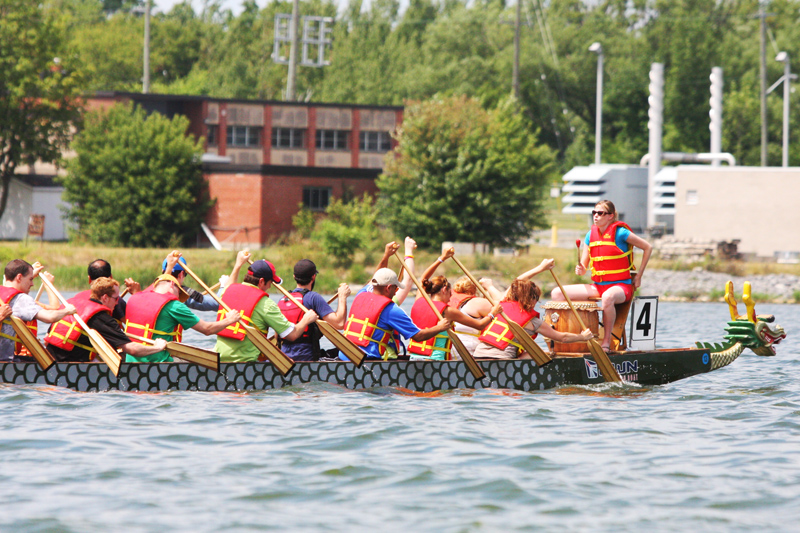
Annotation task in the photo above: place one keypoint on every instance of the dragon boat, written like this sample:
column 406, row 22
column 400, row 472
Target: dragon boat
column 759, row 333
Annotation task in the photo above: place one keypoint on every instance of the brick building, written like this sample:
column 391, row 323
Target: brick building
column 263, row 159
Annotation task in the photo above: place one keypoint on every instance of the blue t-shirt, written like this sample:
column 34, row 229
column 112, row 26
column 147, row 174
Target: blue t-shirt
column 302, row 350
column 621, row 240
column 392, row 318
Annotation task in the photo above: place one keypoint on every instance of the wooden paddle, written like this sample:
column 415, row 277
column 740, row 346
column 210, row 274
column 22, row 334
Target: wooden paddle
column 281, row 361
column 530, row 346
column 31, row 342
column 344, row 344
column 605, row 365
column 205, row 358
column 108, row 354
column 272, row 337
column 472, row 365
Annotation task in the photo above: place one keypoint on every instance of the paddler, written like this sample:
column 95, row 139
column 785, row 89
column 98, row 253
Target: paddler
column 19, row 275
column 609, row 252
column 375, row 321
column 498, row 342
column 306, row 347
column 438, row 348
column 257, row 309
column 158, row 312
column 100, row 268
column 195, row 300
column 66, row 340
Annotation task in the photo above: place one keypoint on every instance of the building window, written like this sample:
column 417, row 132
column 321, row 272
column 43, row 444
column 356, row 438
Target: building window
column 332, row 139
column 374, row 141
column 244, row 137
column 316, row 198
column 212, row 135
column 288, row 138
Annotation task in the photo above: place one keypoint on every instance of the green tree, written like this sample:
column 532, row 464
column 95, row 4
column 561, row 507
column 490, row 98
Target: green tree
column 461, row 173
column 39, row 90
column 348, row 227
column 136, row 179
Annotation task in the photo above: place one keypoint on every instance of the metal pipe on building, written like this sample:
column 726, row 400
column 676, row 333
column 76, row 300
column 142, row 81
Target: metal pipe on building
column 683, row 157
column 655, row 126
column 715, row 114
column 787, row 77
column 146, row 52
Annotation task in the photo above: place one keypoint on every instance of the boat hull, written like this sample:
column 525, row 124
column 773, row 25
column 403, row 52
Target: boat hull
column 645, row 368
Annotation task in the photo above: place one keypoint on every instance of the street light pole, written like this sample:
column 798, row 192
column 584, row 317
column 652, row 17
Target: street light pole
column 597, row 48
column 146, row 52
column 783, row 57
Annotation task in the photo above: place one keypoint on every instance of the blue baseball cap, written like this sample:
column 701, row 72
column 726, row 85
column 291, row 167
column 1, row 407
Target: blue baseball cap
column 177, row 266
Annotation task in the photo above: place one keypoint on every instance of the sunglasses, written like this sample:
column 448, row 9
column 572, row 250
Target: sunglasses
column 599, row 213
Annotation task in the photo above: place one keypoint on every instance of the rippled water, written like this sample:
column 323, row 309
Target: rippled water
column 716, row 452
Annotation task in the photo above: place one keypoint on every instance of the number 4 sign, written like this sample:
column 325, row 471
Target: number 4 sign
column 644, row 311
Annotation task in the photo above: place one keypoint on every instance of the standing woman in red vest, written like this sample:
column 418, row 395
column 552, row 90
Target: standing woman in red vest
column 609, row 254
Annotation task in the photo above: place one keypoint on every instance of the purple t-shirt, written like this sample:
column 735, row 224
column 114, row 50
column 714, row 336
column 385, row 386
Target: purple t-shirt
column 301, row 349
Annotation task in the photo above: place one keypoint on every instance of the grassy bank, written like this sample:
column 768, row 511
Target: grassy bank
column 68, row 263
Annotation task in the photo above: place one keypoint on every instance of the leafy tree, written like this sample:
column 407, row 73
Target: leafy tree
column 136, row 179
column 349, row 227
column 38, row 89
column 462, row 173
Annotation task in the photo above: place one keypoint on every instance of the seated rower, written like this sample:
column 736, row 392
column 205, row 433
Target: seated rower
column 257, row 309
column 375, row 321
column 609, row 254
column 438, row 348
column 100, row 268
column 18, row 281
column 497, row 341
column 66, row 340
column 158, row 312
column 306, row 347
column 195, row 300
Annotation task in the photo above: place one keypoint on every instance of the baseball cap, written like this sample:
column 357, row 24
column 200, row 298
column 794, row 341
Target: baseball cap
column 305, row 270
column 177, row 265
column 265, row 270
column 182, row 294
column 385, row 277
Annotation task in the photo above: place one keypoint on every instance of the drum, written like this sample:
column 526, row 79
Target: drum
column 561, row 318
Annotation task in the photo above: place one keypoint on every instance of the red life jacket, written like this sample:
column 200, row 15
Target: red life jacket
column 142, row 313
column 499, row 334
column 458, row 300
column 83, row 295
column 244, row 298
column 609, row 263
column 7, row 294
column 423, row 317
column 66, row 332
column 293, row 313
column 362, row 321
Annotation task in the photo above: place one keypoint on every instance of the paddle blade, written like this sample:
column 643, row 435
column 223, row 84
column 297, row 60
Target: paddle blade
column 281, row 361
column 33, row 344
column 344, row 344
column 521, row 336
column 472, row 365
column 109, row 356
column 605, row 365
column 205, row 358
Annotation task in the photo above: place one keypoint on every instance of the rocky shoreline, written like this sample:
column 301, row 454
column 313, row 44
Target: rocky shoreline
column 703, row 286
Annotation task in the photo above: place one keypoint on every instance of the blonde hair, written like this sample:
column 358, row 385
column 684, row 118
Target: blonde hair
column 524, row 292
column 608, row 206
column 463, row 285
column 103, row 287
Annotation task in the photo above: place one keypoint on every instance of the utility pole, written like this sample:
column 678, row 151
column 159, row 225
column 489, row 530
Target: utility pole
column 763, row 70
column 515, row 75
column 146, row 58
column 292, row 78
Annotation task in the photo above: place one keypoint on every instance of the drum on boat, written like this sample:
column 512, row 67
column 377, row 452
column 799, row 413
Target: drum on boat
column 561, row 318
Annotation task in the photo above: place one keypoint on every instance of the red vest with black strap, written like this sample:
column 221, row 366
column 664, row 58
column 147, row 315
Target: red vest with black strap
column 66, row 332
column 142, row 313
column 7, row 294
column 499, row 334
column 293, row 313
column 423, row 317
column 362, row 321
column 458, row 300
column 609, row 263
column 244, row 298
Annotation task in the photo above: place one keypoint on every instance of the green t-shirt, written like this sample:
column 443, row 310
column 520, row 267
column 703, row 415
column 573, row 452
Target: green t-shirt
column 266, row 315
column 171, row 315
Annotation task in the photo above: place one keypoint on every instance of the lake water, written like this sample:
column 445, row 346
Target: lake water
column 716, row 452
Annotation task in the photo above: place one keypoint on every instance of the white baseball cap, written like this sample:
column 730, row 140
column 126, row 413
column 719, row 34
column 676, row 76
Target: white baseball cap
column 385, row 277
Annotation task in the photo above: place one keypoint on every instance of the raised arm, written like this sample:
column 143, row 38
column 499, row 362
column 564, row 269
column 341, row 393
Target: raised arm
column 410, row 245
column 546, row 264
column 388, row 251
column 337, row 318
column 450, row 252
column 241, row 258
